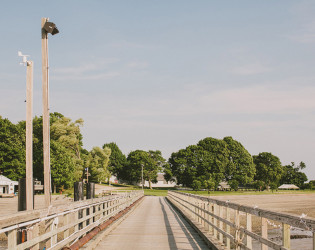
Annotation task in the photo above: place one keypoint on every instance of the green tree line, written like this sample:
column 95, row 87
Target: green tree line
column 68, row 158
column 203, row 165
column 211, row 161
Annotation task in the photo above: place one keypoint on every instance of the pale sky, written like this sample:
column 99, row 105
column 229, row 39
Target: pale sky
column 166, row 74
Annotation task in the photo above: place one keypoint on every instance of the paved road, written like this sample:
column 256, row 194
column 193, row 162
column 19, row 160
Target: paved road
column 153, row 225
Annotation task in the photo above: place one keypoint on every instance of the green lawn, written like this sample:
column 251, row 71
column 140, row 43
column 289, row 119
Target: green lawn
column 222, row 193
column 163, row 191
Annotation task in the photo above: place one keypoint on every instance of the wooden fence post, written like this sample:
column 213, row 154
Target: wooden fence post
column 221, row 223
column 264, row 232
column 249, row 228
column 215, row 221
column 237, row 229
column 35, row 233
column 228, row 228
column 12, row 239
column 286, row 235
column 207, row 216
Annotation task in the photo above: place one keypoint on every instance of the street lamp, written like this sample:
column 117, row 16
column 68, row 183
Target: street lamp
column 29, row 133
column 47, row 28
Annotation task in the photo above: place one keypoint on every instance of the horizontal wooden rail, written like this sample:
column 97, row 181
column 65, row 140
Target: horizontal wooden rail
column 215, row 217
column 60, row 226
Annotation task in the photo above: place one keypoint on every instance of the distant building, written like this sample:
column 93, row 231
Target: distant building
column 224, row 186
column 288, row 186
column 7, row 186
column 114, row 180
column 161, row 182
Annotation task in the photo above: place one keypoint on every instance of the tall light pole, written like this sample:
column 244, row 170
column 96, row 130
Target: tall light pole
column 29, row 132
column 46, row 27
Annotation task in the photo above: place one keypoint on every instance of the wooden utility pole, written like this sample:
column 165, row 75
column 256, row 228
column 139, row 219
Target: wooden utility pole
column 87, row 175
column 46, row 127
column 142, row 176
column 29, row 137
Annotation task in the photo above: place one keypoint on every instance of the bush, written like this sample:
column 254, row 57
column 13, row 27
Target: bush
column 234, row 185
column 196, row 185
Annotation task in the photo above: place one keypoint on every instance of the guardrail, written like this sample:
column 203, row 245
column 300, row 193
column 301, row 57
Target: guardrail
column 231, row 224
column 55, row 227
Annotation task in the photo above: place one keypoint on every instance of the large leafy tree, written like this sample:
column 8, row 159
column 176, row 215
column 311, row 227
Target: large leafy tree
column 151, row 161
column 62, row 166
column 180, row 169
column 241, row 168
column 117, row 160
column 66, row 148
column 268, row 168
column 68, row 134
column 208, row 159
column 217, row 153
column 12, row 149
column 292, row 174
column 97, row 162
column 212, row 159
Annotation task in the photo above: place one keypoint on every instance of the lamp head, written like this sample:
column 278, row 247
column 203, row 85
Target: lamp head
column 51, row 28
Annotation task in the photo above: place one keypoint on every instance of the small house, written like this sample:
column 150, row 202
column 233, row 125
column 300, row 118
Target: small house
column 7, row 186
column 161, row 182
column 288, row 186
column 224, row 186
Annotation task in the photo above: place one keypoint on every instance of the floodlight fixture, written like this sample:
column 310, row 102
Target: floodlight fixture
column 51, row 28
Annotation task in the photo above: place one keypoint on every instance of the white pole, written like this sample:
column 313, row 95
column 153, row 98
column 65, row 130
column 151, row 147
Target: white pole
column 46, row 127
column 29, row 136
column 142, row 176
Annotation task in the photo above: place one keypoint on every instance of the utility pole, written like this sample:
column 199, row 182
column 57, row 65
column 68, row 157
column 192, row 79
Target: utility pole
column 29, row 137
column 27, row 202
column 87, row 175
column 46, row 125
column 46, row 27
column 142, row 176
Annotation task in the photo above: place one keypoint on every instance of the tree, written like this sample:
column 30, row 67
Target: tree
column 97, row 162
column 196, row 185
column 209, row 184
column 209, row 157
column 184, row 172
column 62, row 166
column 12, row 149
column 168, row 175
column 268, row 168
column 259, row 185
column 241, row 167
column 152, row 162
column 68, row 133
column 117, row 160
column 293, row 175
column 65, row 136
column 217, row 153
column 273, row 186
column 234, row 184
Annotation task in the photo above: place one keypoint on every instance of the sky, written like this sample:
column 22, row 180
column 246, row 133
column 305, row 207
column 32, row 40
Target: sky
column 162, row 75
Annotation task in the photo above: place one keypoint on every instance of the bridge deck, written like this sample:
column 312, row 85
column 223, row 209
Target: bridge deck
column 153, row 225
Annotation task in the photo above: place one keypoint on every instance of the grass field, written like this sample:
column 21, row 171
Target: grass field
column 163, row 191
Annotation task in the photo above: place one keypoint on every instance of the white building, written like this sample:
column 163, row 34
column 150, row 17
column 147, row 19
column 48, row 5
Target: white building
column 288, row 186
column 161, row 182
column 6, row 185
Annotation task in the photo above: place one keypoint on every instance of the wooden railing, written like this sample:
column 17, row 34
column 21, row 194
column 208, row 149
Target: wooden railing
column 236, row 226
column 60, row 226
